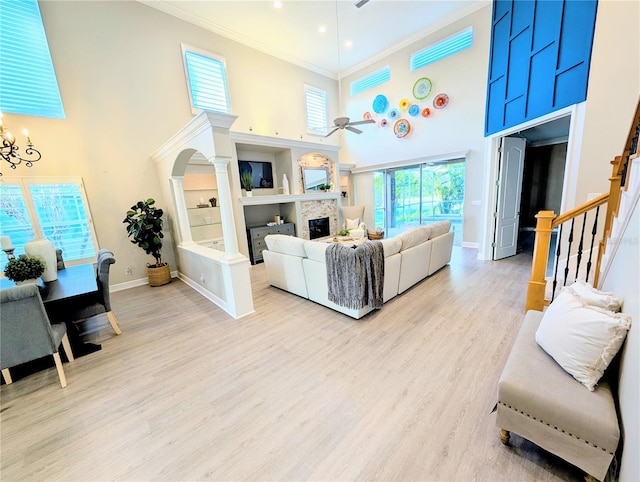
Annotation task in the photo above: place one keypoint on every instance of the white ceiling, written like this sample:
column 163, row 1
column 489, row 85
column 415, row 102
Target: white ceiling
column 291, row 32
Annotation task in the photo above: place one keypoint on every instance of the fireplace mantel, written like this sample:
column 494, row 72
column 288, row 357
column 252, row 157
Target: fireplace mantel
column 281, row 198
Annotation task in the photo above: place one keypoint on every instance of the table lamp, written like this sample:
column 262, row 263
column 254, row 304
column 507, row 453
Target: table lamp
column 7, row 247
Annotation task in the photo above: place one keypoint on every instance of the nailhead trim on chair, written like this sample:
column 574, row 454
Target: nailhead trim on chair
column 554, row 427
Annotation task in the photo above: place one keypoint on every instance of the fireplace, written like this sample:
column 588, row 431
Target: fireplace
column 318, row 228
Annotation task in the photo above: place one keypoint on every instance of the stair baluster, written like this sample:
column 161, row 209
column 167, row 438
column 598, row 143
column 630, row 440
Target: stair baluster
column 580, row 245
column 566, row 268
column 555, row 273
column 594, row 230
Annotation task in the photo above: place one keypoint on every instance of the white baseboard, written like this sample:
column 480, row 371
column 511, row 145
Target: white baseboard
column 134, row 283
column 467, row 244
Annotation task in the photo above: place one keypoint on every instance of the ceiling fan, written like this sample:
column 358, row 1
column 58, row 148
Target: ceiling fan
column 343, row 122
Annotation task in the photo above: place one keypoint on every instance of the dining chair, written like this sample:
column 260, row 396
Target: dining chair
column 85, row 307
column 26, row 333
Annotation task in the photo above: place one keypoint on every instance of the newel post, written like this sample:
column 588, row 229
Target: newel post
column 537, row 282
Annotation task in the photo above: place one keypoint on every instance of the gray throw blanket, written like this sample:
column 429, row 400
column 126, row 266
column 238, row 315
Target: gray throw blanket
column 355, row 277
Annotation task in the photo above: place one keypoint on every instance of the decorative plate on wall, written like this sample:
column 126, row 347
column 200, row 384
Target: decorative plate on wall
column 422, row 88
column 426, row 112
column 402, row 128
column 383, row 122
column 404, row 104
column 380, row 104
column 414, row 110
column 367, row 116
column 394, row 114
column 441, row 101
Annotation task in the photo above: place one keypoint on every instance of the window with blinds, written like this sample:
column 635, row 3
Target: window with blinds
column 28, row 80
column 440, row 50
column 371, row 80
column 207, row 80
column 51, row 208
column 316, row 106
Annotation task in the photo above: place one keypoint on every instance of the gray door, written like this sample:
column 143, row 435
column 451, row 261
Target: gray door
column 509, row 189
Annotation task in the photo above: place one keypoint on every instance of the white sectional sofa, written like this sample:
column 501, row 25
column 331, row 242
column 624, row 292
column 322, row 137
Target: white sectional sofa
column 299, row 266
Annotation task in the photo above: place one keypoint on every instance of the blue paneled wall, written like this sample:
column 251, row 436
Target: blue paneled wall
column 539, row 60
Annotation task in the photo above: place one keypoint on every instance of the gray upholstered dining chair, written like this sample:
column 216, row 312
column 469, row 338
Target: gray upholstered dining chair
column 87, row 306
column 26, row 333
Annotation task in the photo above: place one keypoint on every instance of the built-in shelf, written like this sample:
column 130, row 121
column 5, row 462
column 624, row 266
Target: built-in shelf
column 281, row 198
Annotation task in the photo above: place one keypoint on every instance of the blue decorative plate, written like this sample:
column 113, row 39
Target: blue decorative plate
column 414, row 110
column 393, row 114
column 380, row 104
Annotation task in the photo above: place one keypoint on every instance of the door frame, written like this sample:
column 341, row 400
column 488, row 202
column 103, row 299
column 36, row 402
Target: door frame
column 491, row 172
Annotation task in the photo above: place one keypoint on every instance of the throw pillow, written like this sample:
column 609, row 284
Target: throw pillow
column 591, row 296
column 352, row 223
column 581, row 338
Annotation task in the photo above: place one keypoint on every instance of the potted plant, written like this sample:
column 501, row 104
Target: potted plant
column 246, row 179
column 24, row 269
column 325, row 187
column 144, row 224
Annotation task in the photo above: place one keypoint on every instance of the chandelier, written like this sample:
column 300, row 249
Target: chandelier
column 9, row 149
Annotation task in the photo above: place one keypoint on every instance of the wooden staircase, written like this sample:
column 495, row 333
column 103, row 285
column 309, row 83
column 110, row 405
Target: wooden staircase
column 574, row 258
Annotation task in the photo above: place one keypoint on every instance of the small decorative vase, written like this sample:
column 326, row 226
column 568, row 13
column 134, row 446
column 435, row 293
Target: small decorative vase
column 285, row 185
column 47, row 251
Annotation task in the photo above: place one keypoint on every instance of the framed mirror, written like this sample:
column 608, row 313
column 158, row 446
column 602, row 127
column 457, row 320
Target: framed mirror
column 314, row 178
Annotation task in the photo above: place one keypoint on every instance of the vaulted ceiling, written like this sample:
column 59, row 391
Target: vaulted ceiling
column 308, row 32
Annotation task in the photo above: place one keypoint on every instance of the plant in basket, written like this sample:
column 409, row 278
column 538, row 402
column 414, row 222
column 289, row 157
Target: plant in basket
column 144, row 225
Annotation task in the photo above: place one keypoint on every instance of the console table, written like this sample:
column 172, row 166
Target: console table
column 255, row 238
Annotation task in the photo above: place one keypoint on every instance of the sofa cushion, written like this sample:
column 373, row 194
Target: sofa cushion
column 414, row 236
column 439, row 228
column 282, row 243
column 582, row 338
column 391, row 246
column 315, row 250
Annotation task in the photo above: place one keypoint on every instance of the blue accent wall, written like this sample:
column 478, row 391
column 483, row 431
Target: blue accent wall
column 539, row 59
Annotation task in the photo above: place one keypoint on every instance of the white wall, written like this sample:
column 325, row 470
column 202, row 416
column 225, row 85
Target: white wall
column 458, row 127
column 121, row 77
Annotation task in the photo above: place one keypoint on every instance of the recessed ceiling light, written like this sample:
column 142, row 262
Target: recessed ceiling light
column 322, row 29
column 277, row 4
column 348, row 44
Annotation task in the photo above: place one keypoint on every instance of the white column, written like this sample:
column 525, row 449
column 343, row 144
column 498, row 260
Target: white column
column 181, row 209
column 226, row 212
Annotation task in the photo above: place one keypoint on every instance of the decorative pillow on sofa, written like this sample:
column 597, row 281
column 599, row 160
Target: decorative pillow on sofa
column 591, row 296
column 352, row 223
column 582, row 338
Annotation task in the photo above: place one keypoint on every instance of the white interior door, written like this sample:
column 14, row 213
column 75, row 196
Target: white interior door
column 509, row 190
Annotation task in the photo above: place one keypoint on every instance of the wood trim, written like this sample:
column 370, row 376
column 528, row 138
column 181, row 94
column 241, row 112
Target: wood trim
column 575, row 212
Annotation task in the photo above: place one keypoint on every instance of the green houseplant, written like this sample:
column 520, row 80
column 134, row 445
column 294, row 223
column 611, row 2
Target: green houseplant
column 23, row 268
column 246, row 179
column 144, row 225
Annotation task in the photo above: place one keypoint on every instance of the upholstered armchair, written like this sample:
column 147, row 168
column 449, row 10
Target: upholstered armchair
column 26, row 333
column 87, row 306
column 352, row 217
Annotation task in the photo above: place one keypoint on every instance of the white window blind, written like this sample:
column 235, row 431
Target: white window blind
column 52, row 208
column 316, row 105
column 371, row 80
column 28, row 84
column 207, row 80
column 449, row 46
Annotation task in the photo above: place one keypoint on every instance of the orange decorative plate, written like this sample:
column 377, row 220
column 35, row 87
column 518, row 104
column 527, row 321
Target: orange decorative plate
column 402, row 128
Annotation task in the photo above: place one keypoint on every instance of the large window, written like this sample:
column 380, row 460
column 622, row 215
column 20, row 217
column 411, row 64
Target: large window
column 315, row 101
column 419, row 194
column 52, row 208
column 207, row 80
column 28, row 83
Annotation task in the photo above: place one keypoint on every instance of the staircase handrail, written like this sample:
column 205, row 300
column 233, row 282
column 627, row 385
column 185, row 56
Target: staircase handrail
column 583, row 208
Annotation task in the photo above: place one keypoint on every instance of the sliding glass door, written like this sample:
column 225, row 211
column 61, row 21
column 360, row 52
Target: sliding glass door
column 420, row 194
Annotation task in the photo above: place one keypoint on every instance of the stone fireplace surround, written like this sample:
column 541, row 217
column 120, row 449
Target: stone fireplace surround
column 324, row 208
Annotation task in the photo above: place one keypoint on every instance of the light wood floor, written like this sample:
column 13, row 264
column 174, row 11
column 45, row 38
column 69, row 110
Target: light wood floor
column 293, row 392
